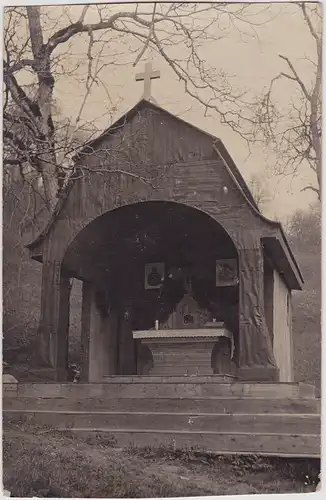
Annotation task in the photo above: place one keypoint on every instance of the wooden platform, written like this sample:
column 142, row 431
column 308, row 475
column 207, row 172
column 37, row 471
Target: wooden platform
column 201, row 412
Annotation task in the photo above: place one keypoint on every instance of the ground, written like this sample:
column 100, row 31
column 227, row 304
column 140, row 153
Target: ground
column 39, row 461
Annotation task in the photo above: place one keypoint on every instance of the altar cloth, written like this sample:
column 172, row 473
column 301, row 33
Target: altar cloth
column 207, row 332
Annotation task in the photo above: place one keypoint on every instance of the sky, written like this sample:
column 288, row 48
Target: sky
column 251, row 57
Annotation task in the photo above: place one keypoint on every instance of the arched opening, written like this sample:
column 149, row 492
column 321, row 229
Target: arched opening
column 137, row 263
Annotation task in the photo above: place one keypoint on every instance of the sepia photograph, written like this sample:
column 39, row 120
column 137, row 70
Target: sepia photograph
column 162, row 192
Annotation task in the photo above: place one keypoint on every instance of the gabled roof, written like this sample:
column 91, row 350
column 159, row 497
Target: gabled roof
column 142, row 104
column 217, row 146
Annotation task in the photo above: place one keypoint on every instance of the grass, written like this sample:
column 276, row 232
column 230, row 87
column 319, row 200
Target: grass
column 39, row 461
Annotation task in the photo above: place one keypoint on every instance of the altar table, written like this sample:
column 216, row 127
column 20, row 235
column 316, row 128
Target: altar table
column 183, row 351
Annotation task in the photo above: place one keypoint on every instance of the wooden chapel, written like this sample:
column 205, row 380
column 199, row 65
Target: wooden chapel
column 155, row 189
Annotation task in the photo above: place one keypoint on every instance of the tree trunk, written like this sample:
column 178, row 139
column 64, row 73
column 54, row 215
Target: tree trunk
column 46, row 162
column 50, row 186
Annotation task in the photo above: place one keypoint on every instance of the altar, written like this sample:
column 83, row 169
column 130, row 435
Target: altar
column 183, row 351
column 188, row 337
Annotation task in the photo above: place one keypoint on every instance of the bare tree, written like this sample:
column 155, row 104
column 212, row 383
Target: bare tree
column 38, row 47
column 304, row 227
column 261, row 191
column 294, row 133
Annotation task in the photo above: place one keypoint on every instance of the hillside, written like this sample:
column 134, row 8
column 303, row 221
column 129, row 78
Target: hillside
column 305, row 238
column 307, row 321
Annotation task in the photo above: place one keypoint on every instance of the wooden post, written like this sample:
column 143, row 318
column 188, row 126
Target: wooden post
column 255, row 354
column 62, row 344
column 127, row 359
column 91, row 338
column 98, row 338
column 54, row 321
column 110, row 331
column 85, row 330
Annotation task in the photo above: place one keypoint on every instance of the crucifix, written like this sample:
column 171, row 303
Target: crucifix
column 147, row 76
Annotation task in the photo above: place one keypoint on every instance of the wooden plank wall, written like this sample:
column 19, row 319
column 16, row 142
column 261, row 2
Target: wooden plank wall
column 282, row 321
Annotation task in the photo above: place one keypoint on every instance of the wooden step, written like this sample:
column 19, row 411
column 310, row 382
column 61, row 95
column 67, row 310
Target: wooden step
column 285, row 445
column 165, row 387
column 186, row 405
column 227, row 423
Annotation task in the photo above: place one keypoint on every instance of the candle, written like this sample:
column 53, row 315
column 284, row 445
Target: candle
column 156, row 325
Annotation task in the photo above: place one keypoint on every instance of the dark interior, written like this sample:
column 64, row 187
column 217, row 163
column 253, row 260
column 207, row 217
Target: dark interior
column 113, row 250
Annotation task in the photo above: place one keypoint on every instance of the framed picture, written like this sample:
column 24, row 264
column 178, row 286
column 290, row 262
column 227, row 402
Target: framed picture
column 226, row 272
column 154, row 275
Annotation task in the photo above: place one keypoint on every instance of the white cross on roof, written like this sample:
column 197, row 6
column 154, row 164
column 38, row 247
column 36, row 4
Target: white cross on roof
column 146, row 77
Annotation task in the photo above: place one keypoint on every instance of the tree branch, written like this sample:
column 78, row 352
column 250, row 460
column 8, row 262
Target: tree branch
column 30, row 108
column 309, row 23
column 297, row 78
column 66, row 33
column 23, row 63
column 311, row 188
column 146, row 44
